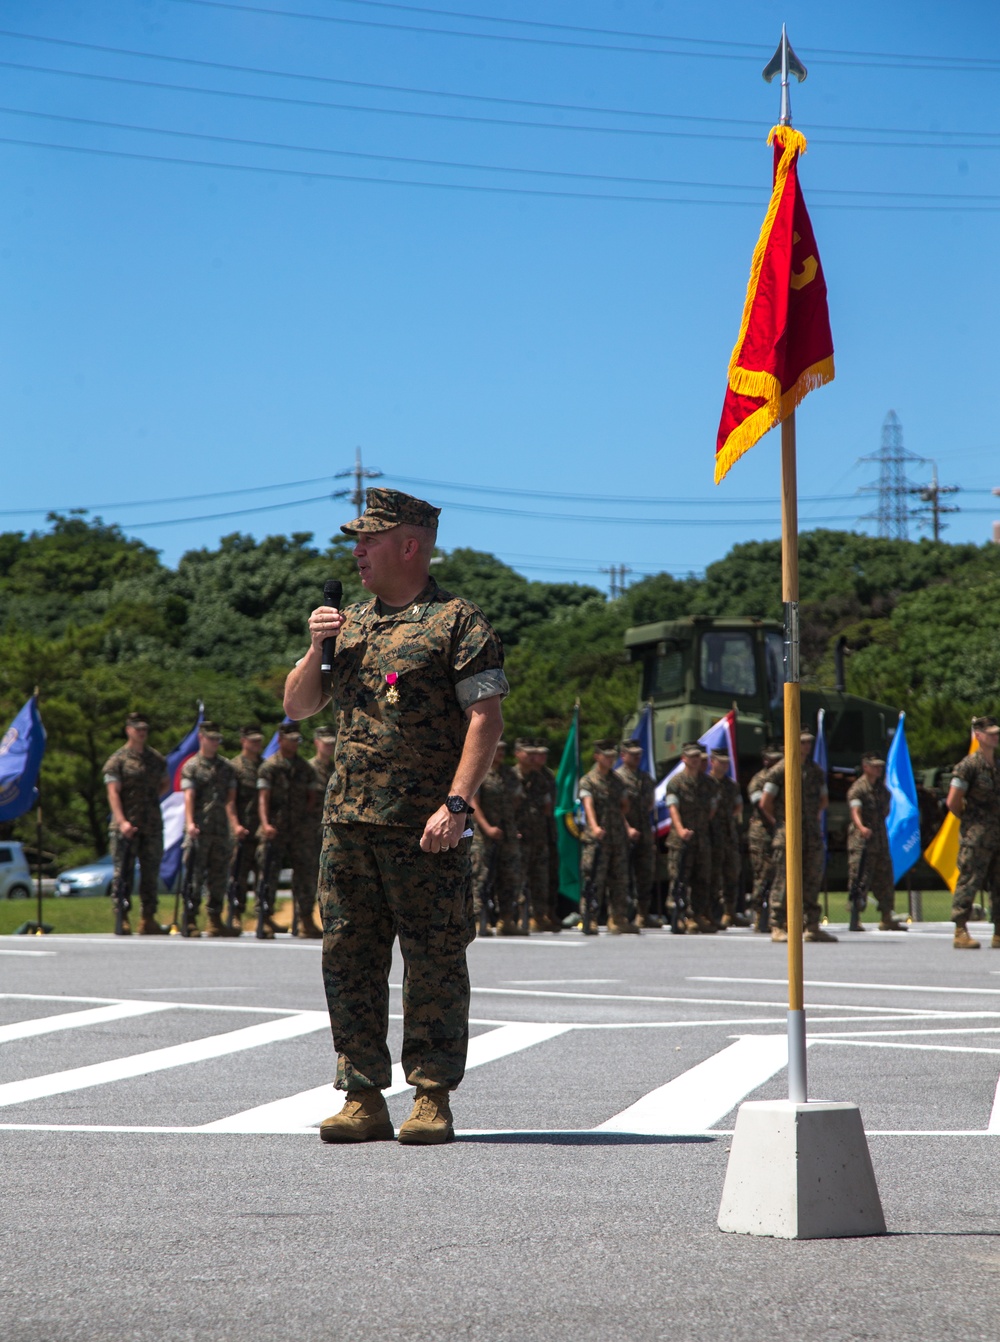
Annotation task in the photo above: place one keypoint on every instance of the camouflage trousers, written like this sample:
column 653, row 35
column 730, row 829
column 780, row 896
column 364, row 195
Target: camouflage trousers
column 296, row 849
column 812, row 883
column 147, row 846
column 697, row 875
column 643, row 860
column 375, row 884
column 878, row 877
column 496, row 877
column 978, row 869
column 604, row 872
column 726, row 872
column 246, row 866
column 536, row 874
column 760, row 844
column 212, row 853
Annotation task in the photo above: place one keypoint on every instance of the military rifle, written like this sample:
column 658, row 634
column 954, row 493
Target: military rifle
column 679, row 889
column 265, row 893
column 233, row 892
column 589, row 906
column 764, row 911
column 187, row 891
column 632, row 908
column 858, row 894
column 487, row 904
column 121, row 886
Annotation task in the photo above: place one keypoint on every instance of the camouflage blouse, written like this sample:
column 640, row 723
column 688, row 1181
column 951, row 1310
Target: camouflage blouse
column 246, row 771
column 873, row 800
column 980, row 782
column 640, row 790
column 402, row 682
column 212, row 781
column 140, row 778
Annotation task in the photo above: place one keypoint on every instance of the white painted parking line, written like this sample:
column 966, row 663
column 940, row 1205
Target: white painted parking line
column 172, row 1006
column 836, row 983
column 904, row 1012
column 706, row 1093
column 309, row 1107
column 885, row 1043
column 4, row 951
column 77, row 1020
column 158, row 1060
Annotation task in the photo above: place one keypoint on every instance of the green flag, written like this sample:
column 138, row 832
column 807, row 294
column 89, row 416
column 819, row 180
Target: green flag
column 567, row 781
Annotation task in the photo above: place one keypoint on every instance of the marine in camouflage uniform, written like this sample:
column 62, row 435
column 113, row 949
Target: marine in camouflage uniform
column 496, row 862
column 416, row 692
column 209, row 785
column 604, row 856
column 246, row 766
column 136, row 779
column 974, row 796
column 289, row 797
column 692, row 798
column 533, row 824
column 870, row 800
column 760, row 837
column 727, row 865
column 814, row 799
column 640, row 795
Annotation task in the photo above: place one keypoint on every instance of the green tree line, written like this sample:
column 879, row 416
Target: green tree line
column 101, row 626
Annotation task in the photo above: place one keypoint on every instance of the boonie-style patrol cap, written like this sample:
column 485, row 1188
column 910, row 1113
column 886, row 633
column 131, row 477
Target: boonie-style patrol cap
column 252, row 732
column 210, row 729
column 691, row 750
column 137, row 720
column 631, row 748
column 985, row 725
column 718, row 754
column 605, row 746
column 388, row 508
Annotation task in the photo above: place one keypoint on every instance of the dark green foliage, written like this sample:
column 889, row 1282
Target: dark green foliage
column 101, row 626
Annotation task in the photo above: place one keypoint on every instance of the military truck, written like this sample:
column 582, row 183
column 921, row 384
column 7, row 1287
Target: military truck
column 695, row 669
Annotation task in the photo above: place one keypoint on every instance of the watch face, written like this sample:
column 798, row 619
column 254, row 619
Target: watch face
column 456, row 805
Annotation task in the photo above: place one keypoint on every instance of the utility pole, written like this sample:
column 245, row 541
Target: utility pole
column 360, row 474
column 930, row 495
column 617, row 575
column 892, row 512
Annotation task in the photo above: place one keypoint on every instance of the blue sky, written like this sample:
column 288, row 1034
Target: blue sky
column 174, row 329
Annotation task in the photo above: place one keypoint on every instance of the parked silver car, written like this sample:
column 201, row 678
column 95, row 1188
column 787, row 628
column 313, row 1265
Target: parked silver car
column 15, row 874
column 94, row 878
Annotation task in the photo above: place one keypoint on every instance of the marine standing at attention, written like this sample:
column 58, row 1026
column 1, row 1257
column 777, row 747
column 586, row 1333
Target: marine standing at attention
column 417, row 685
column 974, row 796
column 246, row 766
column 136, row 779
column 868, row 852
column 210, row 825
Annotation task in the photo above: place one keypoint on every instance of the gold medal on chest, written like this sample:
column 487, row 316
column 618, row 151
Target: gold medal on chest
column 391, row 693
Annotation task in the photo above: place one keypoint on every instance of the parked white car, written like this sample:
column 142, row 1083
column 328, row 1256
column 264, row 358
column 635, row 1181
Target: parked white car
column 15, row 874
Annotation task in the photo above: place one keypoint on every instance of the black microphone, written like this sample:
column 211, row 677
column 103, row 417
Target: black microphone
column 333, row 594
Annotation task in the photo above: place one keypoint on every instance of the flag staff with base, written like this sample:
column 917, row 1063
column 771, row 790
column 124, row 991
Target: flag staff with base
column 797, row 1169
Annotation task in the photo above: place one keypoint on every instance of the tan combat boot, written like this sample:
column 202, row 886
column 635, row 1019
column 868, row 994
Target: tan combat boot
column 537, row 925
column 706, row 926
column 779, row 934
column 364, row 1118
column 995, row 943
column 430, row 1122
column 891, row 924
column 149, row 927
column 215, row 927
column 963, row 942
column 817, row 933
column 617, row 929
column 506, row 928
column 691, row 927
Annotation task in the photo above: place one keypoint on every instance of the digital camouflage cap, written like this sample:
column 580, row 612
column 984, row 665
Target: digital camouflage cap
column 388, row 508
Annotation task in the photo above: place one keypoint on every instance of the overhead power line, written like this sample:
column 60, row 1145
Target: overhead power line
column 898, row 60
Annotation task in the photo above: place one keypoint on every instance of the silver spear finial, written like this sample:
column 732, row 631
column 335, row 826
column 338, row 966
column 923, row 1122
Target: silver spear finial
column 784, row 62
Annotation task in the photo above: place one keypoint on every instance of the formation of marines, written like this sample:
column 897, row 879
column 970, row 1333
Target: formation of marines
column 247, row 818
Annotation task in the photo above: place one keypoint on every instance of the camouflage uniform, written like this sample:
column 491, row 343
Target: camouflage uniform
column 695, row 796
column 533, row 823
column 725, row 839
column 979, row 836
column 551, row 844
column 212, row 781
column 813, row 793
column 246, row 771
column 760, row 838
column 639, row 792
column 604, row 862
column 395, row 760
column 496, row 867
column 293, row 805
column 140, row 777
column 873, row 801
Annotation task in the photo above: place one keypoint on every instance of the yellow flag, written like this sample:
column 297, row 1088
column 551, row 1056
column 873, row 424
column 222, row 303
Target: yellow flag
column 942, row 851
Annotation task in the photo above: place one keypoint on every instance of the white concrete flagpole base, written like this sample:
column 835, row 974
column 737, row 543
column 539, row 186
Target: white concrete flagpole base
column 800, row 1171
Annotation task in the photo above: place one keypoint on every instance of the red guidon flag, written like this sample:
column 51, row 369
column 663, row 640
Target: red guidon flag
column 784, row 348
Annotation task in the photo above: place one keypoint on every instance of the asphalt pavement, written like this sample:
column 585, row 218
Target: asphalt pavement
column 163, row 1179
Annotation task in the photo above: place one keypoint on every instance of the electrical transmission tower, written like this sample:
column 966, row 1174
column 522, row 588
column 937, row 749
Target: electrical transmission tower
column 360, row 474
column 617, row 574
column 893, row 488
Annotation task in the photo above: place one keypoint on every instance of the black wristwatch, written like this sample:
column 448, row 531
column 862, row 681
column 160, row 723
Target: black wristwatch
column 456, row 805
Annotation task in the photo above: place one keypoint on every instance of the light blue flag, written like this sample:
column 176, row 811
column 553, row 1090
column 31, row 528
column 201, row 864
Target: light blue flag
column 904, row 814
column 272, row 746
column 820, row 758
column 21, row 752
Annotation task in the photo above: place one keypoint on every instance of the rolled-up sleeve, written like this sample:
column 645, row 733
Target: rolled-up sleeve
column 490, row 684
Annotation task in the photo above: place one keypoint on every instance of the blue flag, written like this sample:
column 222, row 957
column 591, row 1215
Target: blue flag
column 272, row 746
column 820, row 758
column 644, row 735
column 21, row 752
column 172, row 804
column 904, row 814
